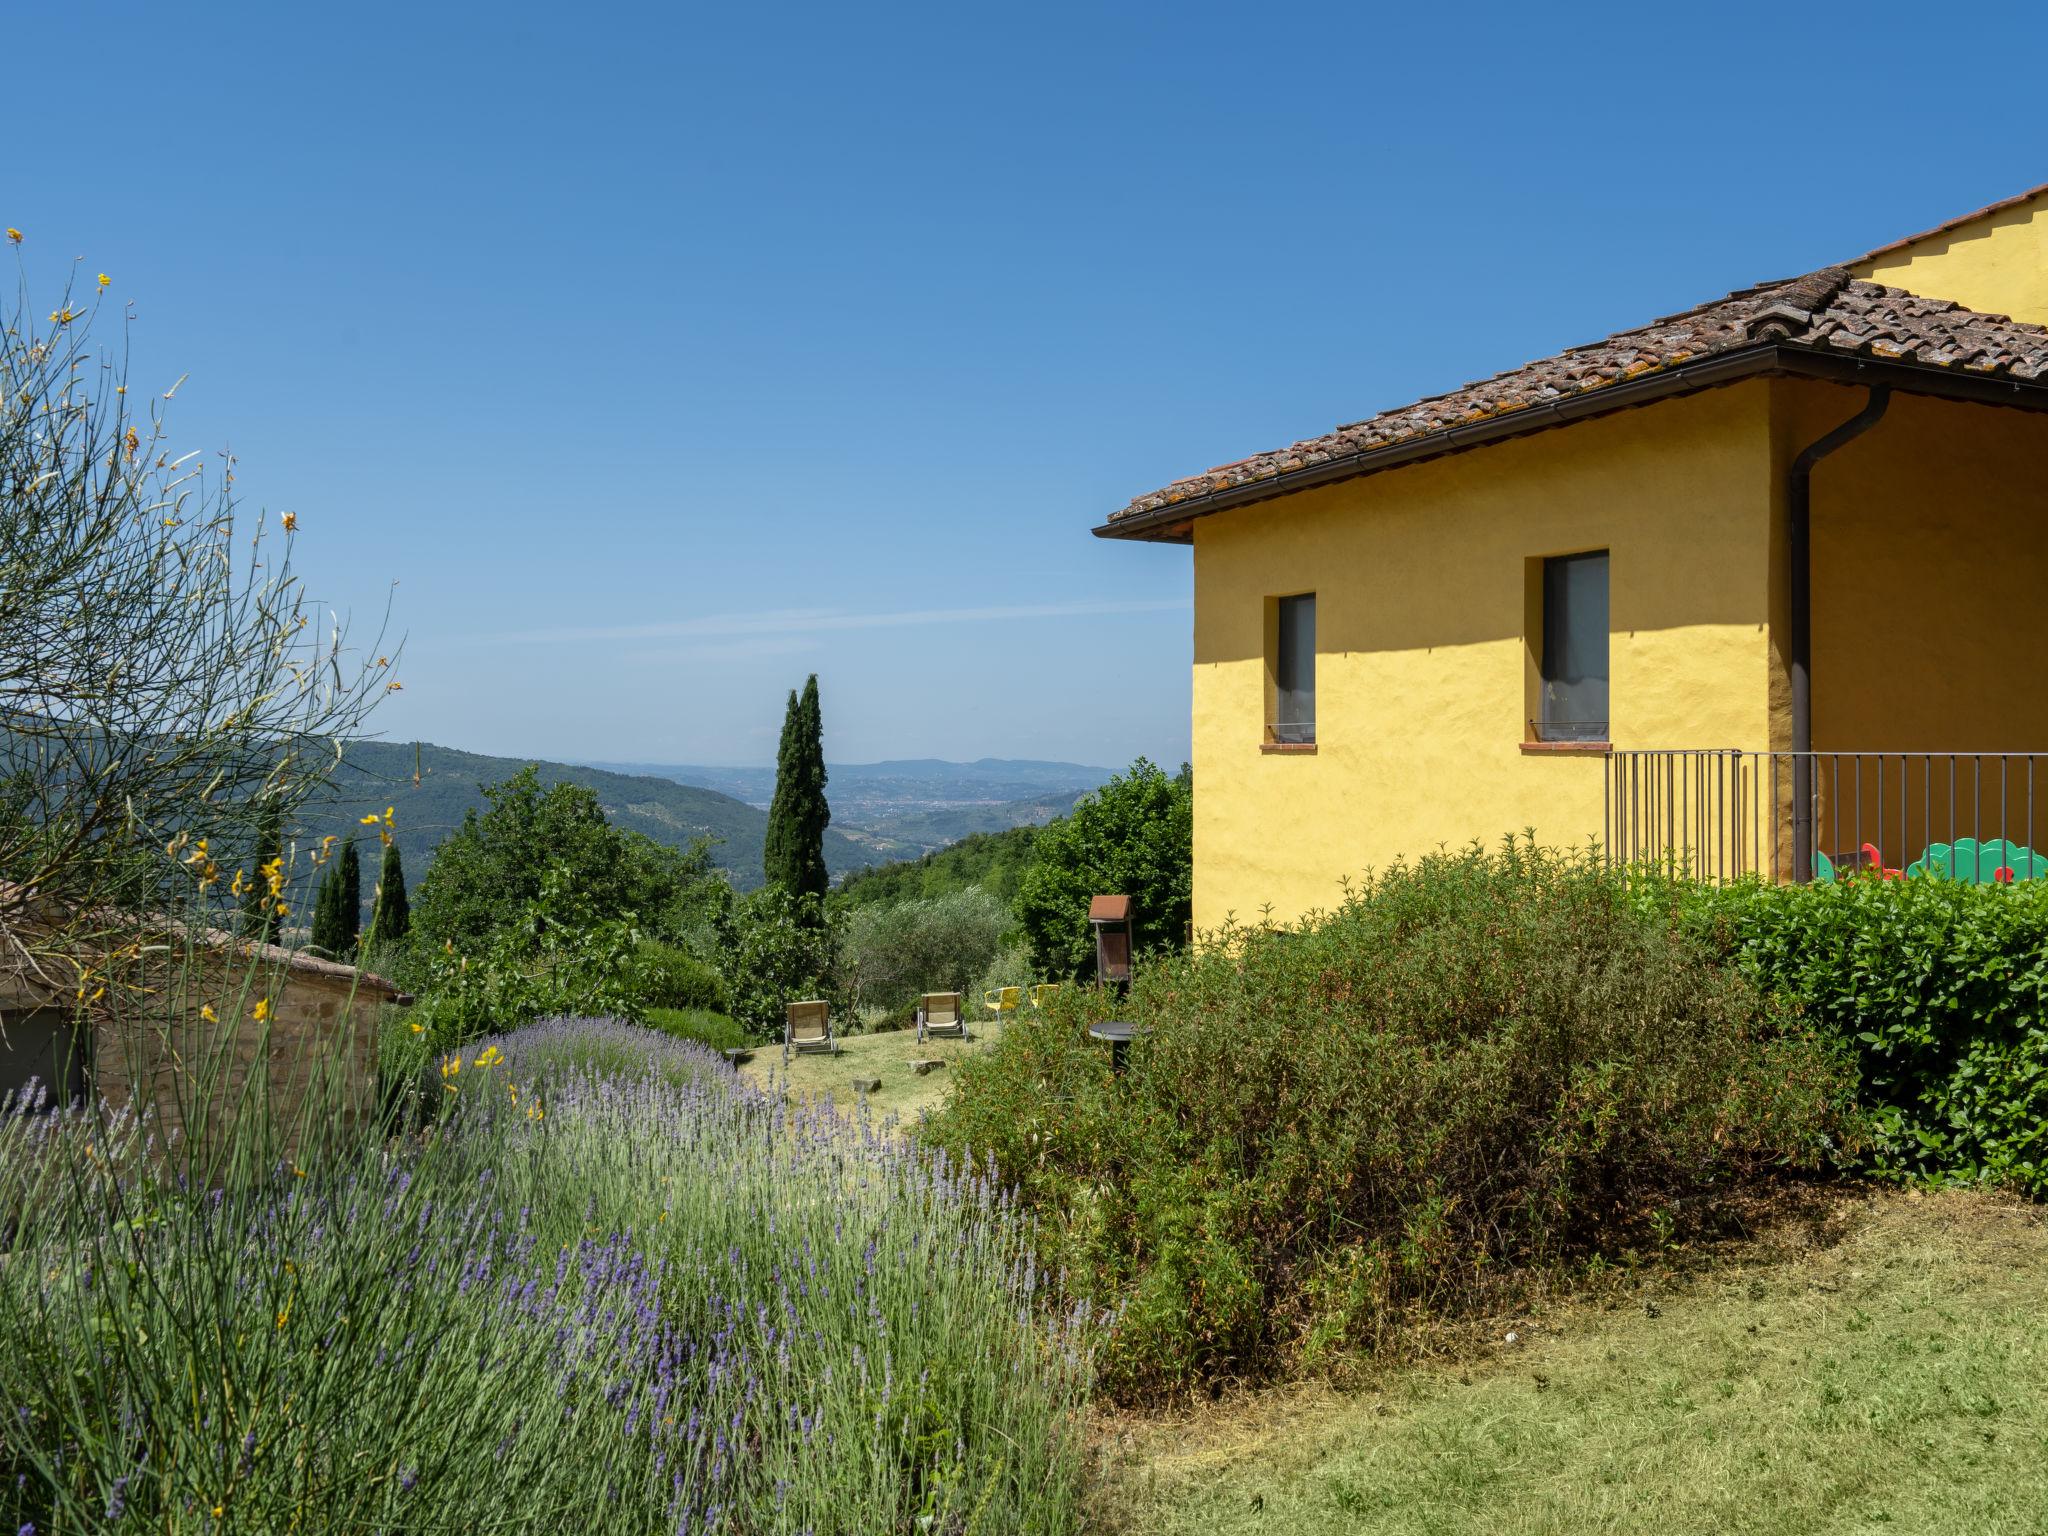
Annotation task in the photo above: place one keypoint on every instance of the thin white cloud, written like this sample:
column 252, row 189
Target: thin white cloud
column 749, row 648
column 795, row 622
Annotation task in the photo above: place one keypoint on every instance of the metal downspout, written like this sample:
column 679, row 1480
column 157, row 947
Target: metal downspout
column 1799, row 547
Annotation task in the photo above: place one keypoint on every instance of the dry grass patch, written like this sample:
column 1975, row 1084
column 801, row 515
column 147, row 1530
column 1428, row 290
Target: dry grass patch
column 888, row 1056
column 1882, row 1368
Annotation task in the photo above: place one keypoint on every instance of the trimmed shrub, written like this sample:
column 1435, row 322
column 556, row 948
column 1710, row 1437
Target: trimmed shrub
column 716, row 1030
column 1941, row 991
column 671, row 977
column 1481, row 1068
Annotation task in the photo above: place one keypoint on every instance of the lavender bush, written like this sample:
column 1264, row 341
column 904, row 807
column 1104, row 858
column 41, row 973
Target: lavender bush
column 612, row 1287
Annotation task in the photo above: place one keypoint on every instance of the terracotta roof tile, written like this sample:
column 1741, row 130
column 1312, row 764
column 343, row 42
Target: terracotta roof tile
column 1823, row 311
column 26, row 901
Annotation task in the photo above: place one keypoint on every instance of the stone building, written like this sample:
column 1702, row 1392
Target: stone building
column 191, row 1026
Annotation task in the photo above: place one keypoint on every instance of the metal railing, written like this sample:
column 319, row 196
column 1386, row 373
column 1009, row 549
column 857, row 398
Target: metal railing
column 1722, row 815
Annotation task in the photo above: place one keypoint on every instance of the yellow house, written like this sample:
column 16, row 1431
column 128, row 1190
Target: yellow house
column 1755, row 585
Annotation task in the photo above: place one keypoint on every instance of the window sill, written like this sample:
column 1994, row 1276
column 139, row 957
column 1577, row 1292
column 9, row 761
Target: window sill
column 1568, row 748
column 1289, row 748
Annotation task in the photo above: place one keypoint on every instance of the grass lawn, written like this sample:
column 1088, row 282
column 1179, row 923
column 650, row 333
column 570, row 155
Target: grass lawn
column 1887, row 1372
column 887, row 1056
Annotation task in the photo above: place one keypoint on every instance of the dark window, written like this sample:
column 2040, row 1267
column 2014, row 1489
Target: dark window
column 1575, row 648
column 1294, row 670
column 42, row 1046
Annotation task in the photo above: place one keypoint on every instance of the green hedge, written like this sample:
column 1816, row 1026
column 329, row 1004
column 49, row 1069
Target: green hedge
column 1941, row 990
column 717, row 1030
column 669, row 976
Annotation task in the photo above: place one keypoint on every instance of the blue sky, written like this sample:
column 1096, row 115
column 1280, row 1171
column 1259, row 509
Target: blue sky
column 663, row 354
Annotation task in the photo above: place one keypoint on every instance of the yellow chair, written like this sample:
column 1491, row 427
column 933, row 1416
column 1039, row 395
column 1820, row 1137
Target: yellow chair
column 1044, row 993
column 1003, row 1001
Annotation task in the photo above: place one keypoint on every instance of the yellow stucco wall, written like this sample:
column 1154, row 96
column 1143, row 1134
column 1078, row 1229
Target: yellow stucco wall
column 1421, row 687
column 1997, row 263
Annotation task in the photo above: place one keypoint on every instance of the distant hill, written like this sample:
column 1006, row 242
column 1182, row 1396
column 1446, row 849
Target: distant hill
column 905, row 808
column 374, row 774
column 907, row 833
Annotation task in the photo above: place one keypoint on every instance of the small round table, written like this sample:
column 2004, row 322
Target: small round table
column 1119, row 1035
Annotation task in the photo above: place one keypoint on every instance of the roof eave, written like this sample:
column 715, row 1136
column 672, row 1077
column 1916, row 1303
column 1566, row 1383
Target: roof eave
column 1172, row 522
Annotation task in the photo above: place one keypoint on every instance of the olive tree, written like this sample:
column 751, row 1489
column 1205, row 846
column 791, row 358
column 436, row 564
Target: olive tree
column 165, row 687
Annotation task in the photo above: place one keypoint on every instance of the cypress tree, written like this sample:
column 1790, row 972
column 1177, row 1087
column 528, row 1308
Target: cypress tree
column 390, row 909
column 779, row 840
column 337, row 910
column 793, row 854
column 328, row 932
column 260, row 900
column 349, row 902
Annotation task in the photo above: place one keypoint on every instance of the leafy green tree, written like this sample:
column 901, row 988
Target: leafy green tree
column 489, row 871
column 677, row 894
column 337, row 910
column 540, row 905
column 793, row 855
column 552, row 955
column 390, row 910
column 778, row 948
column 1133, row 837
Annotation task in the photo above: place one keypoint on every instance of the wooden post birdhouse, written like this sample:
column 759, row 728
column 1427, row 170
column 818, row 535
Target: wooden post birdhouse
column 1112, row 919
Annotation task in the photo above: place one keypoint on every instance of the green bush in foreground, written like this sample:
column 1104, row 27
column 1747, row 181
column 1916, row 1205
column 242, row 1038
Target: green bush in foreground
column 1482, row 1066
column 1940, row 989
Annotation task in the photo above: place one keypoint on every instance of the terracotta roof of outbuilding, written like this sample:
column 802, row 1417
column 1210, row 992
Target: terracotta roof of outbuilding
column 26, row 900
column 1825, row 312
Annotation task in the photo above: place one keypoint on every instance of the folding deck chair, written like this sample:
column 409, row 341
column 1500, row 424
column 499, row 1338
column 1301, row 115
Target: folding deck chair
column 939, row 1016
column 807, row 1030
